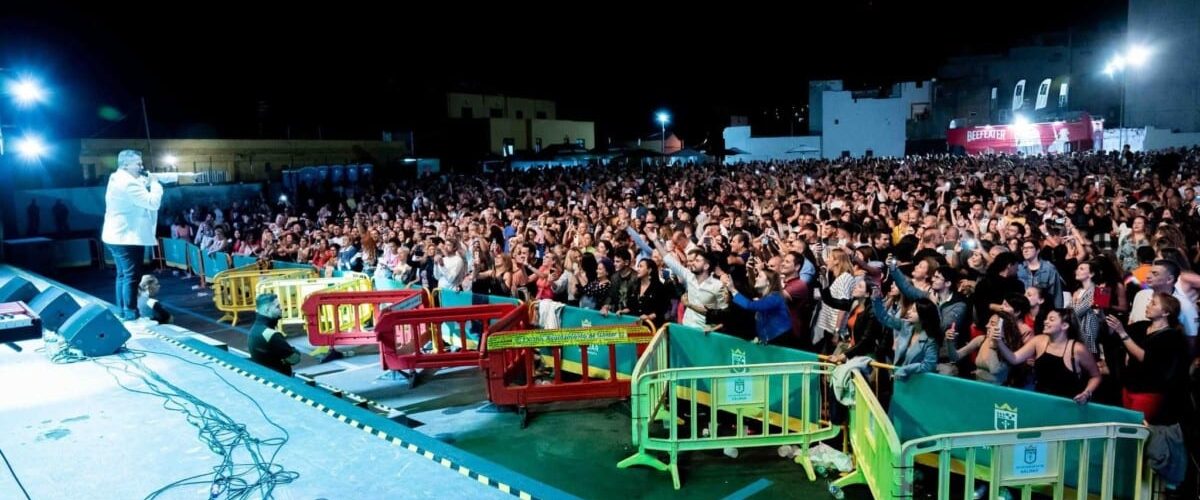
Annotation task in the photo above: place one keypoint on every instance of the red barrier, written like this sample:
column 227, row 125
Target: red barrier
column 510, row 358
column 347, row 318
column 403, row 334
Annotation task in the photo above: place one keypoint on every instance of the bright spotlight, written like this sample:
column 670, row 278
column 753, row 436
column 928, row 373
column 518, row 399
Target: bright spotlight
column 27, row 91
column 1137, row 55
column 31, row 147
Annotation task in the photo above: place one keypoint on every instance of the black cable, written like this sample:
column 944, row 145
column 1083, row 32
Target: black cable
column 220, row 433
column 14, row 474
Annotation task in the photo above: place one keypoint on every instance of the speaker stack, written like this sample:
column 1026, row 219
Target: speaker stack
column 91, row 329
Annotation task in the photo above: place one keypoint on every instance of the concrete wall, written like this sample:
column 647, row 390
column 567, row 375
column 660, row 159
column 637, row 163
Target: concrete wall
column 554, row 131
column 525, row 133
column 770, row 148
column 815, row 89
column 1165, row 92
column 239, row 160
column 1114, row 140
column 86, row 204
column 859, row 125
column 505, row 128
column 481, row 106
column 1157, row 138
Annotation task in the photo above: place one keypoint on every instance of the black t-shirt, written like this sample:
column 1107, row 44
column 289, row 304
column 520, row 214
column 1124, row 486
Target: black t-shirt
column 271, row 351
column 1163, row 370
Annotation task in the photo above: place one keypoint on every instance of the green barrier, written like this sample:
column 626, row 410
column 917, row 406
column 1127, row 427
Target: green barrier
column 782, row 399
column 175, row 253
column 875, row 444
column 692, row 347
column 919, row 409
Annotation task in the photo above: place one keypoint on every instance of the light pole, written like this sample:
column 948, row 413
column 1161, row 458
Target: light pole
column 1135, row 56
column 663, row 118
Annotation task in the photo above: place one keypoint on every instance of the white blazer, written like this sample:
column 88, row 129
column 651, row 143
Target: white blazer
column 131, row 209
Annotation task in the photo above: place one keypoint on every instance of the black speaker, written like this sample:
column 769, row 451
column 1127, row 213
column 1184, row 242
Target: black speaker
column 94, row 331
column 54, row 305
column 14, row 288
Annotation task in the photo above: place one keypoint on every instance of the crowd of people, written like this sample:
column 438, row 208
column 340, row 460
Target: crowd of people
column 1067, row 274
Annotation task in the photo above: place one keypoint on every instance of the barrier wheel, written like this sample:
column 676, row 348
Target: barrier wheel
column 836, row 492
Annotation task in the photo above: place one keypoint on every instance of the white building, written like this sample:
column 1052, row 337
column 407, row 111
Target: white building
column 769, row 148
column 859, row 124
column 852, row 123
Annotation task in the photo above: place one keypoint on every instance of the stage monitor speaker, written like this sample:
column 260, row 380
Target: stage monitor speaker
column 54, row 305
column 14, row 288
column 94, row 331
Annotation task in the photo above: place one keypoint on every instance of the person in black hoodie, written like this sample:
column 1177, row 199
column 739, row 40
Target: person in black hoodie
column 267, row 346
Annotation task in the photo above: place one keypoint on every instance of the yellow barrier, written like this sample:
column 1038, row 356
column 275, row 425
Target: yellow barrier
column 762, row 394
column 234, row 290
column 875, row 443
column 292, row 292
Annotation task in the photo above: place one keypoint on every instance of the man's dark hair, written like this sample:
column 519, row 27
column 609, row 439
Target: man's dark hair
column 1171, row 267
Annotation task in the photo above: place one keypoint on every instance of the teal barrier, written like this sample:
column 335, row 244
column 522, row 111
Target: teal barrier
column 598, row 355
column 279, row 264
column 919, row 408
column 215, row 263
column 244, row 260
column 391, row 284
column 175, row 253
column 195, row 258
column 692, row 347
column 451, row 298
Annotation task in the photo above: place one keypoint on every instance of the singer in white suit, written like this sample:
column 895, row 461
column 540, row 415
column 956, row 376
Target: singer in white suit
column 130, row 219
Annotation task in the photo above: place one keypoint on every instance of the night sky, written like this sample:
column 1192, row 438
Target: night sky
column 355, row 72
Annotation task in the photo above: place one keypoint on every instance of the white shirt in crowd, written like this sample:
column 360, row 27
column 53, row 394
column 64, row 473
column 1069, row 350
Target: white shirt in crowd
column 709, row 293
column 449, row 274
column 1187, row 310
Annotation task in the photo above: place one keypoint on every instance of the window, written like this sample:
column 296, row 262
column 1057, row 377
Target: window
column 537, row 145
column 510, row 146
column 467, row 112
column 541, row 115
column 496, row 113
column 520, row 115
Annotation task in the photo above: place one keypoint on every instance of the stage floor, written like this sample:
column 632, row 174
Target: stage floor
column 569, row 449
